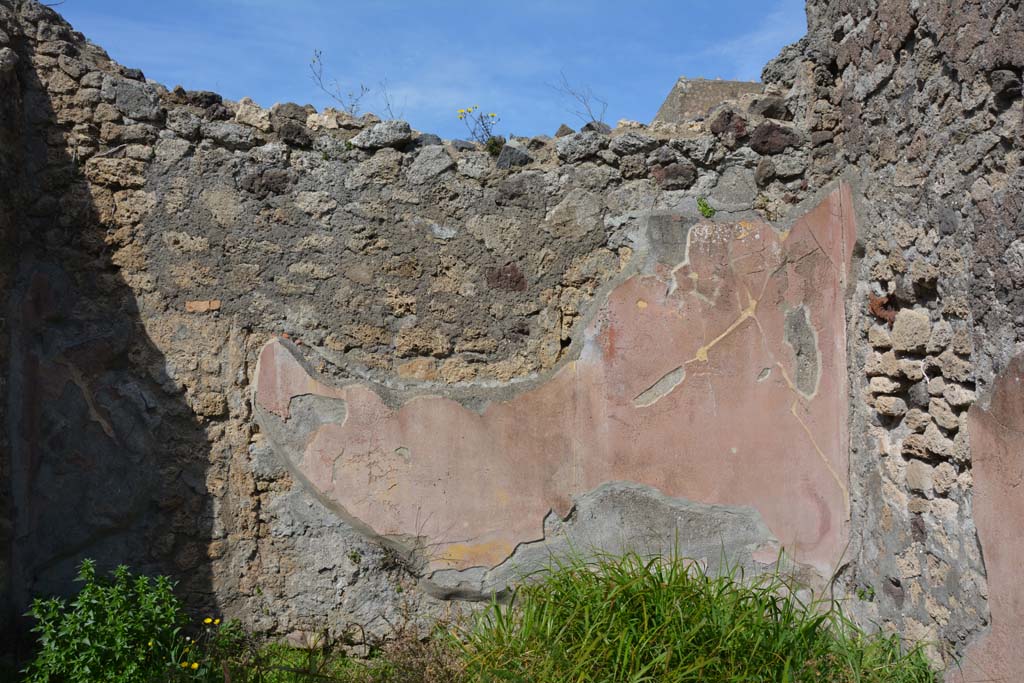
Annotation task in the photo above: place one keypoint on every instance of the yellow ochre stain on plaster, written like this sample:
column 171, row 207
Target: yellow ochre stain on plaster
column 702, row 352
column 810, row 435
column 470, row 554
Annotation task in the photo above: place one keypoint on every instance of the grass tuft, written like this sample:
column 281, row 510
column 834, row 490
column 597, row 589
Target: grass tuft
column 628, row 620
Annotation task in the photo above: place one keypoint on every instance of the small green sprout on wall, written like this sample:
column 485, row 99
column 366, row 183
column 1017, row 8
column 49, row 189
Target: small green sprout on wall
column 481, row 127
column 705, row 209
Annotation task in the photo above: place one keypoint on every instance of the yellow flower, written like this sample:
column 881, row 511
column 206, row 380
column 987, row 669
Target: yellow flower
column 184, row 665
column 462, row 111
column 492, row 115
column 195, row 665
column 151, row 643
column 187, row 649
column 216, row 622
column 208, row 620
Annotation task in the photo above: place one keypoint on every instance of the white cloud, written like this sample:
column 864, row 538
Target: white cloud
column 746, row 55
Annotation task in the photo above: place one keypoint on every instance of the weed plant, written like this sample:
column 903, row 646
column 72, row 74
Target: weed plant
column 627, row 620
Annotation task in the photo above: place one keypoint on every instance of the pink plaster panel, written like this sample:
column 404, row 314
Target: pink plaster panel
column 684, row 382
column 997, row 450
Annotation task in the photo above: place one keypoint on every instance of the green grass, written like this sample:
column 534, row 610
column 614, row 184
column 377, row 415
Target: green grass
column 629, row 620
column 279, row 663
column 404, row 658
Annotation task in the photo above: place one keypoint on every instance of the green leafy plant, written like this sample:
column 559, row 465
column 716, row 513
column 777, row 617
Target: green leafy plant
column 627, row 619
column 116, row 630
column 705, row 209
column 494, row 145
column 866, row 593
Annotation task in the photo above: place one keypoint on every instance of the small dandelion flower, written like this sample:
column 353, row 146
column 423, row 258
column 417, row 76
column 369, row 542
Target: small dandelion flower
column 493, row 115
column 195, row 665
column 184, row 665
column 216, row 622
column 151, row 643
column 208, row 620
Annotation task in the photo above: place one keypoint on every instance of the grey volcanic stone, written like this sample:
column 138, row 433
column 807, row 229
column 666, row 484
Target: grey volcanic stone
column 294, row 133
column 579, row 146
column 427, row 140
column 8, row 59
column 632, row 143
column 511, row 156
column 184, row 123
column 135, row 100
column 290, row 110
column 230, row 135
column 431, row 162
column 596, row 127
column 1005, row 82
column 384, row 134
column 538, row 142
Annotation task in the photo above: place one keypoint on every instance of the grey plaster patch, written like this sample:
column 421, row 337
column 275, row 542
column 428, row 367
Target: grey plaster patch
column 667, row 236
column 800, row 335
column 289, row 446
column 661, row 388
column 735, row 190
column 308, row 413
column 615, row 518
column 264, row 462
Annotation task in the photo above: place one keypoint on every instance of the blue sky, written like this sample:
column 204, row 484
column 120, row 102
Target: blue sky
column 440, row 55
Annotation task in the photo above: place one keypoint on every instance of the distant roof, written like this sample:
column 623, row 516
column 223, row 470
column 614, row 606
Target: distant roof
column 694, row 97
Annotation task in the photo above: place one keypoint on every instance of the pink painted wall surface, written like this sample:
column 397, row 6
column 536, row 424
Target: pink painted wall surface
column 686, row 382
column 997, row 449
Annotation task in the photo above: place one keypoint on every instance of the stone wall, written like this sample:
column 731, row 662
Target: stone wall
column 101, row 461
column 695, row 98
column 925, row 101
column 331, row 370
column 10, row 108
column 166, row 235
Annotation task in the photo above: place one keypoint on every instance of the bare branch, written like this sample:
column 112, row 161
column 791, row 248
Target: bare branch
column 385, row 93
column 587, row 106
column 351, row 101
